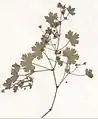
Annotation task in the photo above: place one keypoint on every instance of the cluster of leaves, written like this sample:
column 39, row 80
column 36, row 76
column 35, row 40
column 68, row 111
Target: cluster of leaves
column 13, row 83
column 39, row 48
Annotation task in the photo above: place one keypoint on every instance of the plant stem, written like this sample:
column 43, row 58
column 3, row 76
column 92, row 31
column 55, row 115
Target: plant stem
column 64, row 46
column 54, row 98
column 54, row 72
column 52, row 68
column 40, row 66
column 78, row 74
column 63, row 79
column 55, row 61
column 52, row 44
column 48, row 60
column 58, row 40
column 43, row 70
column 50, row 49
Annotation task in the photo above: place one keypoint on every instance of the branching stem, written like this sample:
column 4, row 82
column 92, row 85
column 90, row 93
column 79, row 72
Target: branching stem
column 64, row 46
column 40, row 66
column 48, row 60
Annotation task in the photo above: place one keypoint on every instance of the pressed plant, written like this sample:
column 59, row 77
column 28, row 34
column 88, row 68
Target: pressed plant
column 65, row 56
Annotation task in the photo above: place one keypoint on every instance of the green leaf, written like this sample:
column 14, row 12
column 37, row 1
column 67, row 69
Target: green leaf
column 72, row 37
column 88, row 72
column 71, row 55
column 38, row 49
column 51, row 19
column 71, row 10
column 26, row 62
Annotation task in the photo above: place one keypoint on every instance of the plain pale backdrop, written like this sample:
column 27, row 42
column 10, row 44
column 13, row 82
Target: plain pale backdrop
column 19, row 20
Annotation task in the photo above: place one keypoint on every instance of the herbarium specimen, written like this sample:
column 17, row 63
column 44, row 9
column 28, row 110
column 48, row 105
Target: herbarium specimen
column 65, row 56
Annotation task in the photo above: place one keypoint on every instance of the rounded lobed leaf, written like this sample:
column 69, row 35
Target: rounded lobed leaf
column 70, row 53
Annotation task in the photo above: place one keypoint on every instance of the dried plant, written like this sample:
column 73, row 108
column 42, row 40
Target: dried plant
column 65, row 56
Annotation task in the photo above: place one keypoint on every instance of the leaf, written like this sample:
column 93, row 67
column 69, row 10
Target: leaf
column 45, row 39
column 31, row 79
column 59, row 61
column 14, row 77
column 88, row 72
column 71, row 10
column 20, row 83
column 51, row 19
column 30, row 85
column 26, row 62
column 56, row 35
column 72, row 38
column 15, row 88
column 59, row 5
column 38, row 49
column 71, row 55
column 15, row 69
column 48, row 31
column 8, row 83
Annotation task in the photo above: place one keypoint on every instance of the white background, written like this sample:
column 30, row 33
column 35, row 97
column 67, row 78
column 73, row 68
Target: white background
column 19, row 20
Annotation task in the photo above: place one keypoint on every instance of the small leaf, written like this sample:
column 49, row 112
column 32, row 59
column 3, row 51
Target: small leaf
column 15, row 88
column 8, row 83
column 15, row 69
column 72, row 38
column 71, row 55
column 63, row 11
column 88, row 72
column 48, row 31
column 3, row 91
column 14, row 72
column 59, row 5
column 59, row 61
column 30, row 85
column 20, row 83
column 45, row 39
column 14, row 77
column 56, row 35
column 38, row 49
column 71, row 10
column 31, row 79
column 51, row 19
column 26, row 62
